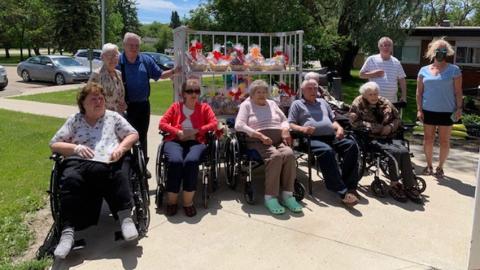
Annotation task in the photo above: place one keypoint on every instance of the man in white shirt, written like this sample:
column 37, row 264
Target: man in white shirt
column 386, row 71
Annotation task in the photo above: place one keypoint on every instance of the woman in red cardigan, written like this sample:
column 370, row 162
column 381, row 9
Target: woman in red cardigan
column 186, row 123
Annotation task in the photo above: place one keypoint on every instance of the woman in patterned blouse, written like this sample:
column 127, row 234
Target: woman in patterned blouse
column 93, row 143
column 111, row 79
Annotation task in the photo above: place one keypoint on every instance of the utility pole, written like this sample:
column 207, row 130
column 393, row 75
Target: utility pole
column 103, row 22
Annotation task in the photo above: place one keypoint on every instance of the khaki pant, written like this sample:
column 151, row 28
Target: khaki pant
column 279, row 162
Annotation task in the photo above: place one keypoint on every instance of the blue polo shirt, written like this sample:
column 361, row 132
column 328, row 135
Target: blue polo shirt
column 137, row 76
column 318, row 115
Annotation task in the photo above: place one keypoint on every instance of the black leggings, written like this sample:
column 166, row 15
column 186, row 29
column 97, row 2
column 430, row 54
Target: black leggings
column 84, row 183
column 138, row 115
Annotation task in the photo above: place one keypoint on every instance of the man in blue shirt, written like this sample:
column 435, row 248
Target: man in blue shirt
column 313, row 116
column 137, row 70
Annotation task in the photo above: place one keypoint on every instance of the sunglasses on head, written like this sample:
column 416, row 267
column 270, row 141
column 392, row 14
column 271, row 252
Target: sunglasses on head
column 191, row 91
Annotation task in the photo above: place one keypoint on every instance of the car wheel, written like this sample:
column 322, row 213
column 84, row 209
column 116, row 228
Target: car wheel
column 59, row 79
column 26, row 76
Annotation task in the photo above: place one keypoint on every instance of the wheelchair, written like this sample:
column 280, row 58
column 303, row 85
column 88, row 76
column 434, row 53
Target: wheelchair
column 303, row 151
column 209, row 167
column 141, row 202
column 373, row 161
column 241, row 161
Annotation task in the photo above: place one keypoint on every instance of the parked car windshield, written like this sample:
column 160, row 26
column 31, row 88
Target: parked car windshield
column 67, row 62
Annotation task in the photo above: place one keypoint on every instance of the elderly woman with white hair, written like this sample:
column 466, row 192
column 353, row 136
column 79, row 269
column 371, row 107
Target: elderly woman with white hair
column 268, row 131
column 439, row 101
column 381, row 118
column 110, row 79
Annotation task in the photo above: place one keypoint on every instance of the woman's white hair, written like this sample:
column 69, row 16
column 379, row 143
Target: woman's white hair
column 257, row 84
column 309, row 81
column 109, row 47
column 369, row 86
column 312, row 76
column 130, row 35
column 435, row 44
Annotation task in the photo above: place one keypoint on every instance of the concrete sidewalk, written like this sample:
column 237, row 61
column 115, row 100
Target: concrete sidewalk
column 230, row 234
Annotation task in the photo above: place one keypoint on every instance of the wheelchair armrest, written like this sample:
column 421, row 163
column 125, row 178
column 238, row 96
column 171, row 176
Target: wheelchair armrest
column 56, row 157
column 408, row 126
column 163, row 133
column 298, row 134
column 400, row 105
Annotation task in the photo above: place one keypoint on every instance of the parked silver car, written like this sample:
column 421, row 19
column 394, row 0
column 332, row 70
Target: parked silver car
column 3, row 78
column 53, row 68
column 82, row 57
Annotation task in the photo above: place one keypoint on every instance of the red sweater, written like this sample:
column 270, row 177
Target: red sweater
column 202, row 119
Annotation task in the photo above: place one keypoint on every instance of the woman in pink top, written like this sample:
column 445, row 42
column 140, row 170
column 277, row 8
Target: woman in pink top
column 267, row 130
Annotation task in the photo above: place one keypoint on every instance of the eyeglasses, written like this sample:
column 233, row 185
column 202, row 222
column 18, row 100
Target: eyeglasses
column 192, row 91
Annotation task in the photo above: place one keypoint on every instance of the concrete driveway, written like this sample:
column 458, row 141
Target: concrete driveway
column 16, row 86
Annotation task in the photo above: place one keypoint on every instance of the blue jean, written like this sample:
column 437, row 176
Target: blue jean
column 183, row 161
column 325, row 149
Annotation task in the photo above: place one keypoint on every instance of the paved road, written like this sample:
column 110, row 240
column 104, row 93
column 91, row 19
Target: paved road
column 16, row 86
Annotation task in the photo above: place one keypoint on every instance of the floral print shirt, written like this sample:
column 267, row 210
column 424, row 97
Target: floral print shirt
column 113, row 87
column 103, row 137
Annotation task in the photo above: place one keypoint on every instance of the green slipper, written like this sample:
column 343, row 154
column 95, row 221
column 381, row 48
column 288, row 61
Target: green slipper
column 274, row 206
column 292, row 205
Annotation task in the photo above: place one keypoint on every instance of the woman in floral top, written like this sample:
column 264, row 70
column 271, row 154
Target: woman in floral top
column 111, row 79
column 93, row 143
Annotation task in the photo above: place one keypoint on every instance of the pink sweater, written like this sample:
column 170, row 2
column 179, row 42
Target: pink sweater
column 253, row 117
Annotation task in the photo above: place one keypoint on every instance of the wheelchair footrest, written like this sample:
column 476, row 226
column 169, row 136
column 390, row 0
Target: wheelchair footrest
column 79, row 244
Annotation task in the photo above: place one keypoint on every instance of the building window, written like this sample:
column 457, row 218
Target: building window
column 408, row 54
column 468, row 55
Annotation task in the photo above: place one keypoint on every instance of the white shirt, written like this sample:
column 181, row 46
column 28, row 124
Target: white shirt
column 393, row 72
column 187, row 123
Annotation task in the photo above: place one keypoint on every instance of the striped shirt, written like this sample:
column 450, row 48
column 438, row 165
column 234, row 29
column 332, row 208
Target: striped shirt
column 393, row 72
column 252, row 117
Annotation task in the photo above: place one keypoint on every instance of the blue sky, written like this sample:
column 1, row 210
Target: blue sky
column 161, row 10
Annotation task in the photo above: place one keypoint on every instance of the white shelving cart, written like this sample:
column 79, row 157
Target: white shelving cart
column 291, row 42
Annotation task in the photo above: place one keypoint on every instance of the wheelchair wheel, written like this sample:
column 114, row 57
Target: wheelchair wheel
column 420, row 184
column 384, row 168
column 215, row 165
column 142, row 211
column 298, row 190
column 379, row 188
column 205, row 192
column 159, row 196
column 249, row 193
column 49, row 244
column 231, row 162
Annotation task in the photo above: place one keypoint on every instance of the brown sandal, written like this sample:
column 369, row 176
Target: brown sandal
column 427, row 171
column 190, row 211
column 171, row 210
column 439, row 173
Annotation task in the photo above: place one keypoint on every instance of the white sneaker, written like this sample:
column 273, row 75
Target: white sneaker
column 129, row 231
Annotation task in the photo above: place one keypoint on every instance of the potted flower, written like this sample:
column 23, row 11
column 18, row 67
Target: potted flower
column 472, row 123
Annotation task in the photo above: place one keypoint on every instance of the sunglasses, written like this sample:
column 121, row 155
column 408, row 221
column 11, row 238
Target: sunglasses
column 191, row 91
column 441, row 50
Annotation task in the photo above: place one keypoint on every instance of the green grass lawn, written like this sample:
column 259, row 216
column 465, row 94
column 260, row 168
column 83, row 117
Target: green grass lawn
column 162, row 95
column 25, row 174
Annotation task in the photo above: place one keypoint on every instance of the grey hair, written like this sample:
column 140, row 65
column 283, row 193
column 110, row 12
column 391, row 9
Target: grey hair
column 384, row 40
column 109, row 47
column 255, row 85
column 309, row 81
column 312, row 75
column 368, row 87
column 435, row 44
column 130, row 35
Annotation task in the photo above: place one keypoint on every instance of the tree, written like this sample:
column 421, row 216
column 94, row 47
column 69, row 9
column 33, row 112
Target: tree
column 458, row 12
column 77, row 24
column 175, row 20
column 128, row 11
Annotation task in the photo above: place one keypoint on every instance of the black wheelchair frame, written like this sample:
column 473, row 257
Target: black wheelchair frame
column 141, row 202
column 241, row 161
column 210, row 167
